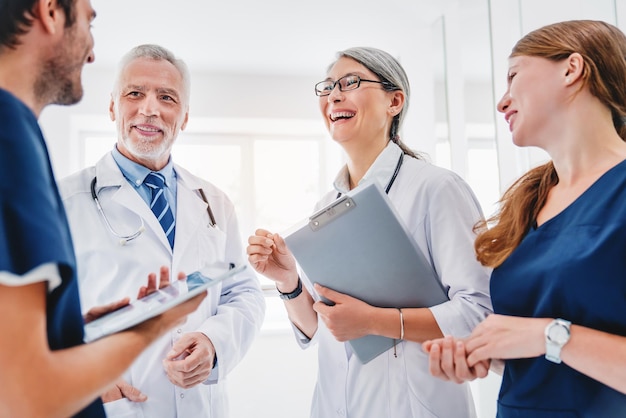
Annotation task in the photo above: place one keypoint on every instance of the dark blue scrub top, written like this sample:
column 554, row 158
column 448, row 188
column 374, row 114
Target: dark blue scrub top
column 33, row 226
column 571, row 267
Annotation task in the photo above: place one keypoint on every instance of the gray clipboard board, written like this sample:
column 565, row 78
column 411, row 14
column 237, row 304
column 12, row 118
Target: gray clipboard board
column 358, row 245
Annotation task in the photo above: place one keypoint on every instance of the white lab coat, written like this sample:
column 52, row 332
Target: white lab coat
column 230, row 316
column 439, row 210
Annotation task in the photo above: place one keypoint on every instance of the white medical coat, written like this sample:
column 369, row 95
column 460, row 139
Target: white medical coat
column 439, row 209
column 230, row 316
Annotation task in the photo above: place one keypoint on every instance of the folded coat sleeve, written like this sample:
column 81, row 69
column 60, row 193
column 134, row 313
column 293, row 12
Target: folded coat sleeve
column 453, row 210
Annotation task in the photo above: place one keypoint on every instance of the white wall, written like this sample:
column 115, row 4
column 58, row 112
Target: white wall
column 276, row 378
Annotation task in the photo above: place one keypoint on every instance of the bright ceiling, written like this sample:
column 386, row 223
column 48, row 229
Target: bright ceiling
column 255, row 36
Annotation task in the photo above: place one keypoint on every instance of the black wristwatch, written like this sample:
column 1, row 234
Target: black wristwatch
column 291, row 295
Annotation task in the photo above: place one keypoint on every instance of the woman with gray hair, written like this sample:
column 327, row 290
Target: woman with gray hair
column 363, row 101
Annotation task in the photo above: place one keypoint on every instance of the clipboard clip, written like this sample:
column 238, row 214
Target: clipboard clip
column 326, row 215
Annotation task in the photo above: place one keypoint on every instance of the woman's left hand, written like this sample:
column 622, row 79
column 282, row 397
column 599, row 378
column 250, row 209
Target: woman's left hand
column 348, row 318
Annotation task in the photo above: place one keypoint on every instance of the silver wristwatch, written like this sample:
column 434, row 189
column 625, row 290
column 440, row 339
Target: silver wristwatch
column 557, row 335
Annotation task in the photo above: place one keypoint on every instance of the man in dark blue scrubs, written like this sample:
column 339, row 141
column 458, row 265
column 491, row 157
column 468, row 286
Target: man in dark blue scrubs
column 45, row 370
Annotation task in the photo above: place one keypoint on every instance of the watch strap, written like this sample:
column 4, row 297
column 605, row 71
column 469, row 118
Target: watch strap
column 291, row 295
column 553, row 348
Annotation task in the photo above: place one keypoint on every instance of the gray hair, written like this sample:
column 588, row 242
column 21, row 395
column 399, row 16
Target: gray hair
column 388, row 70
column 156, row 52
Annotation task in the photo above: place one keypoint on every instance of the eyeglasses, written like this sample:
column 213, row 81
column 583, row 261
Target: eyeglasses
column 345, row 83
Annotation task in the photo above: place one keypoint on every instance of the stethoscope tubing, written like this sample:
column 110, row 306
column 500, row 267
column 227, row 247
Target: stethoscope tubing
column 124, row 239
column 393, row 176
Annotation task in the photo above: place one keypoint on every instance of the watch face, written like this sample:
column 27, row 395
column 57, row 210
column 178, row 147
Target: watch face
column 558, row 334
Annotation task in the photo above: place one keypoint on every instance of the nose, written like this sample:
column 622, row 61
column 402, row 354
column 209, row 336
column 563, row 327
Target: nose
column 336, row 94
column 91, row 57
column 504, row 102
column 149, row 105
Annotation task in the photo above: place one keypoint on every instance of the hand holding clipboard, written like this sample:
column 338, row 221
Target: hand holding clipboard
column 335, row 248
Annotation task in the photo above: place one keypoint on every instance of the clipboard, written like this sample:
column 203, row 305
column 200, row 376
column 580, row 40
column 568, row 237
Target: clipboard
column 156, row 303
column 358, row 245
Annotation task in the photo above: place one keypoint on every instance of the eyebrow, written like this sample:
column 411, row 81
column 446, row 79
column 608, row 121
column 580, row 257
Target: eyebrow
column 171, row 92
column 346, row 75
column 129, row 87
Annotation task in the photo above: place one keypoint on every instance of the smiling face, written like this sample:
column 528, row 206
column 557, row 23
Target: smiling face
column 149, row 109
column 533, row 102
column 362, row 116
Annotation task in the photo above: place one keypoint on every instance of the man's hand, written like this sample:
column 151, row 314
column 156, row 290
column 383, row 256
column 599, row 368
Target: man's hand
column 121, row 390
column 150, row 287
column 98, row 311
column 190, row 361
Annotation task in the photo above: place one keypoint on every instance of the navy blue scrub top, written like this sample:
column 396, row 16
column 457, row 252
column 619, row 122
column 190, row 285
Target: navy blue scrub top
column 33, row 226
column 571, row 267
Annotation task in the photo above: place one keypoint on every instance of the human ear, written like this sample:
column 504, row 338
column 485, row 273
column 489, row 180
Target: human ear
column 112, row 109
column 49, row 14
column 397, row 102
column 184, row 124
column 575, row 66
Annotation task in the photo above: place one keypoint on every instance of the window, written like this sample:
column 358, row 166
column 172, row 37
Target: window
column 273, row 171
column 482, row 164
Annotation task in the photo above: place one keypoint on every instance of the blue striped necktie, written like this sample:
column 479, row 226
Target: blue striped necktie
column 160, row 206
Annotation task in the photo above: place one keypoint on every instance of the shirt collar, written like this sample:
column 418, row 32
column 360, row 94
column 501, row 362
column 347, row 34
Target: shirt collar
column 381, row 170
column 136, row 173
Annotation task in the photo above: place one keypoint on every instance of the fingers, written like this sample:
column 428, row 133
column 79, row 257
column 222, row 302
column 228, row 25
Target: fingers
column 130, row 392
column 322, row 308
column 150, row 287
column 329, row 293
column 462, row 371
column 164, row 277
column 179, row 348
column 98, row 311
column 448, row 361
column 281, row 245
column 190, row 361
column 112, row 394
column 481, row 369
column 260, row 247
column 434, row 361
column 122, row 389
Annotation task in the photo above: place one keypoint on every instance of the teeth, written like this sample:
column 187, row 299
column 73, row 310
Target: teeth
column 147, row 129
column 341, row 115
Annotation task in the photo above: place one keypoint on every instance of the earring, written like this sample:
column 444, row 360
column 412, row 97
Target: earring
column 567, row 80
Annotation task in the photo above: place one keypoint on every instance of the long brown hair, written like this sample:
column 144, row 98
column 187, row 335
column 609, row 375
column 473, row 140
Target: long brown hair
column 603, row 48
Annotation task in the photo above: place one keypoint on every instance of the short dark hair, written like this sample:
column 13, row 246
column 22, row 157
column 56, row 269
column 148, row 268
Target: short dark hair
column 16, row 17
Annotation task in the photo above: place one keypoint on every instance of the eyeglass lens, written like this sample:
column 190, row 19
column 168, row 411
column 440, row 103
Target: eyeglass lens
column 346, row 83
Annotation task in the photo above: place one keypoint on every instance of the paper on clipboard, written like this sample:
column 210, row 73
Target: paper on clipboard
column 158, row 302
column 358, row 245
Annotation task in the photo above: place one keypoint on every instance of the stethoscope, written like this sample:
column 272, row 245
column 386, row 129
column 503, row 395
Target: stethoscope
column 393, row 177
column 124, row 239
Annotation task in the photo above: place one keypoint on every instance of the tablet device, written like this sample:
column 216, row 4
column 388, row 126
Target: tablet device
column 358, row 245
column 158, row 302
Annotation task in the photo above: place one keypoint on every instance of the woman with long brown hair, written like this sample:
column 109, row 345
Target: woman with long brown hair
column 558, row 244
